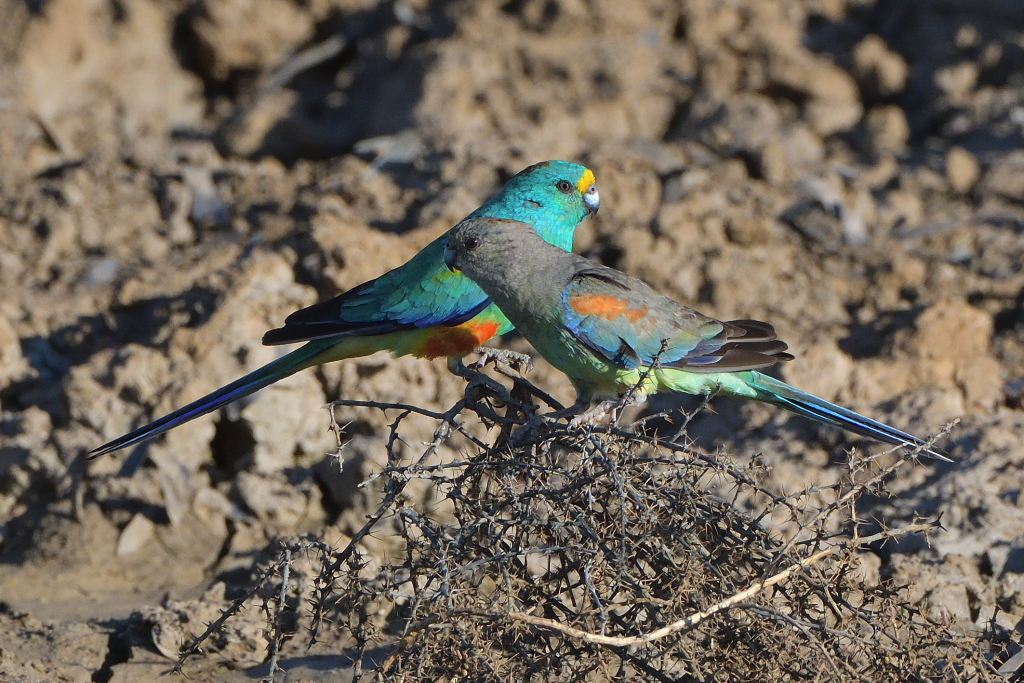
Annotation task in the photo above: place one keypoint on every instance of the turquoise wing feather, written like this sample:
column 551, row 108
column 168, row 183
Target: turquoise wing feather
column 424, row 292
column 418, row 294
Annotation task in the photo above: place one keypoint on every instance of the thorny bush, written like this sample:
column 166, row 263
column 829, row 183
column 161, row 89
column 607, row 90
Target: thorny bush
column 612, row 554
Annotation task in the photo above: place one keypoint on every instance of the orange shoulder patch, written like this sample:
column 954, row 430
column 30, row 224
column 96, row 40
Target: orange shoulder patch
column 606, row 306
column 439, row 341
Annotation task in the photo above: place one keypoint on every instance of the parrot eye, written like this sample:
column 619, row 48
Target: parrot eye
column 471, row 243
column 564, row 185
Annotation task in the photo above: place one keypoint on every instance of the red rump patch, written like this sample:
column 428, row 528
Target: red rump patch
column 606, row 306
column 443, row 342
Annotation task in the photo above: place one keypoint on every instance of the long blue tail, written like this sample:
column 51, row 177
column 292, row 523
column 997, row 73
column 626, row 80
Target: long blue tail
column 273, row 371
column 779, row 393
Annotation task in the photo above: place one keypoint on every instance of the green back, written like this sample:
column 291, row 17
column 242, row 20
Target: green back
column 423, row 291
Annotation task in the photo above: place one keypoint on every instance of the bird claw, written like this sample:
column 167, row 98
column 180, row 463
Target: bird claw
column 520, row 362
column 602, row 412
column 605, row 411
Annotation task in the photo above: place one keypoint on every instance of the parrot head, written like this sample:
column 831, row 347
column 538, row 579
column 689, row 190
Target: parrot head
column 553, row 196
column 476, row 244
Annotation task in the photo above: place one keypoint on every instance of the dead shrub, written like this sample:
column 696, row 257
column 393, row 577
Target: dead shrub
column 611, row 553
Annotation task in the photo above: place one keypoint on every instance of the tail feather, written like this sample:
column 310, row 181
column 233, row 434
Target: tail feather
column 785, row 396
column 274, row 371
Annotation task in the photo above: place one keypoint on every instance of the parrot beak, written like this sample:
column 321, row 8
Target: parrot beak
column 449, row 258
column 591, row 199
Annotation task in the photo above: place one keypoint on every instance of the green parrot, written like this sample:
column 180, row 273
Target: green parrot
column 605, row 329
column 420, row 308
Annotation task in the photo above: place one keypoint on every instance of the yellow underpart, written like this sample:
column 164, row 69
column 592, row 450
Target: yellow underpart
column 586, row 180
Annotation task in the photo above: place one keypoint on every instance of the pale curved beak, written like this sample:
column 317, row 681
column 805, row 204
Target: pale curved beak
column 592, row 199
column 449, row 258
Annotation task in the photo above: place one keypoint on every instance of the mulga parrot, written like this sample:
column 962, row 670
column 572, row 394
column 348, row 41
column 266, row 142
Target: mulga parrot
column 608, row 331
column 420, row 308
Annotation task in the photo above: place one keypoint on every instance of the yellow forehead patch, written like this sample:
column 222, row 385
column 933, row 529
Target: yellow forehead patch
column 586, row 180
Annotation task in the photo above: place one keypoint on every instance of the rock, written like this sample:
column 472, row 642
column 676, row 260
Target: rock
column 834, row 101
column 286, row 418
column 381, row 377
column 952, row 346
column 665, row 157
column 94, row 404
column 135, row 535
column 50, row 651
column 209, row 504
column 888, row 128
column 101, row 274
column 278, row 504
column 361, row 455
column 993, row 620
column 13, row 365
column 957, row 81
column 254, row 125
column 112, row 387
column 881, row 71
column 633, row 191
column 1006, row 177
column 750, row 121
column 1014, row 391
column 226, row 347
column 962, row 169
column 249, row 34
column 26, row 454
column 206, row 208
column 400, row 148
column 195, row 541
column 821, row 368
column 866, row 568
column 948, row 589
column 775, row 163
column 749, row 230
column 822, row 211
column 140, row 372
column 799, row 151
column 904, row 206
column 177, row 482
column 353, row 252
column 172, row 626
column 82, row 59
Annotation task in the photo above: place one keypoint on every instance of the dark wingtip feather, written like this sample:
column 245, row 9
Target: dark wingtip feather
column 750, row 330
column 279, row 335
column 731, row 360
column 747, row 345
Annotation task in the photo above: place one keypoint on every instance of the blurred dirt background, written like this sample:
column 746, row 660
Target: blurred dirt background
column 179, row 175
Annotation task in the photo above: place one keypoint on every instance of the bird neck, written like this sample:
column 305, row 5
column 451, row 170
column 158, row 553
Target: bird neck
column 555, row 224
column 528, row 286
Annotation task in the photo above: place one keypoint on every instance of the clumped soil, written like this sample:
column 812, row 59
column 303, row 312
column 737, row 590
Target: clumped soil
column 179, row 176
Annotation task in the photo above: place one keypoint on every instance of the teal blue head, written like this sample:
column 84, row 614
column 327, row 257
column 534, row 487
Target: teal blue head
column 552, row 196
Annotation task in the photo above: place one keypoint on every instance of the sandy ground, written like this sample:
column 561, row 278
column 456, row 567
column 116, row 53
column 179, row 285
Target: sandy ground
column 178, row 176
